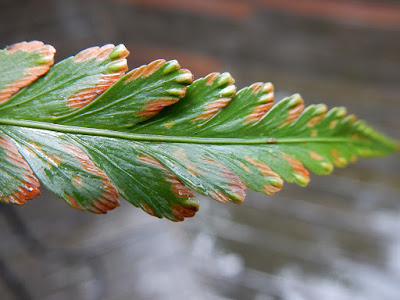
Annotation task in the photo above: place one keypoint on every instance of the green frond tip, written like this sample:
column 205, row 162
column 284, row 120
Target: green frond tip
column 93, row 134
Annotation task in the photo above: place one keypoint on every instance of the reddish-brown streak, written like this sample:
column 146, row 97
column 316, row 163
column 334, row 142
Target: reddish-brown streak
column 32, row 73
column 96, row 52
column 147, row 209
column 151, row 161
column 315, row 155
column 135, row 73
column 153, row 107
column 332, row 124
column 339, row 161
column 86, row 96
column 102, row 206
column 71, row 200
column 236, row 184
column 110, row 193
column 271, row 189
column 153, row 67
column 244, row 167
column 145, row 70
column 211, row 78
column 177, row 186
column 334, row 153
column 51, row 161
column 181, row 212
column 266, row 91
column 267, row 171
column 294, row 113
column 256, row 87
column 219, row 196
column 213, row 107
column 181, row 156
column 267, row 87
column 44, row 50
column 298, row 167
column 77, row 181
column 106, row 50
column 262, row 167
column 258, row 112
column 315, row 120
column 29, row 186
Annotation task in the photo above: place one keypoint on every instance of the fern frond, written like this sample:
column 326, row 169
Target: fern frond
column 90, row 133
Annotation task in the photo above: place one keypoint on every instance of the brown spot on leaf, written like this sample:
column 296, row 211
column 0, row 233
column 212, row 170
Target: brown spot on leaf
column 109, row 191
column 51, row 160
column 148, row 209
column 315, row 120
column 332, row 124
column 262, row 87
column 182, row 157
column 258, row 112
column 267, row 172
column 151, row 161
column 84, row 97
column 155, row 106
column 102, row 205
column 262, row 167
column 219, row 196
column 153, row 67
column 256, row 87
column 236, row 185
column 145, row 70
column 33, row 46
column 29, row 186
column 32, row 73
column 266, row 99
column 181, row 212
column 211, row 78
column 94, row 52
column 270, row 189
column 72, row 202
column 339, row 161
column 315, row 155
column 135, row 73
column 298, row 167
column 244, row 167
column 294, row 113
column 212, row 108
column 77, row 181
column 105, row 51
column 177, row 187
column 55, row 159
column 334, row 153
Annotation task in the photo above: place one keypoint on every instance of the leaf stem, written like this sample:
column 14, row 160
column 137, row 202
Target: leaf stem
column 163, row 138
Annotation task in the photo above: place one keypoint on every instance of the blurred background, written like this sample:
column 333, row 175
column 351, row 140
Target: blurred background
column 339, row 238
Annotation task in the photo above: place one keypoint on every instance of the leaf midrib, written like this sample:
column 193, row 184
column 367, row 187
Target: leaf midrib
column 165, row 138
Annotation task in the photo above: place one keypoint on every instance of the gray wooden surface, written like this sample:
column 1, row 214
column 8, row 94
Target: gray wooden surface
column 339, row 238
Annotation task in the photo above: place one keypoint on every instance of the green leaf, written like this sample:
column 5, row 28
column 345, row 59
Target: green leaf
column 91, row 134
column 21, row 64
